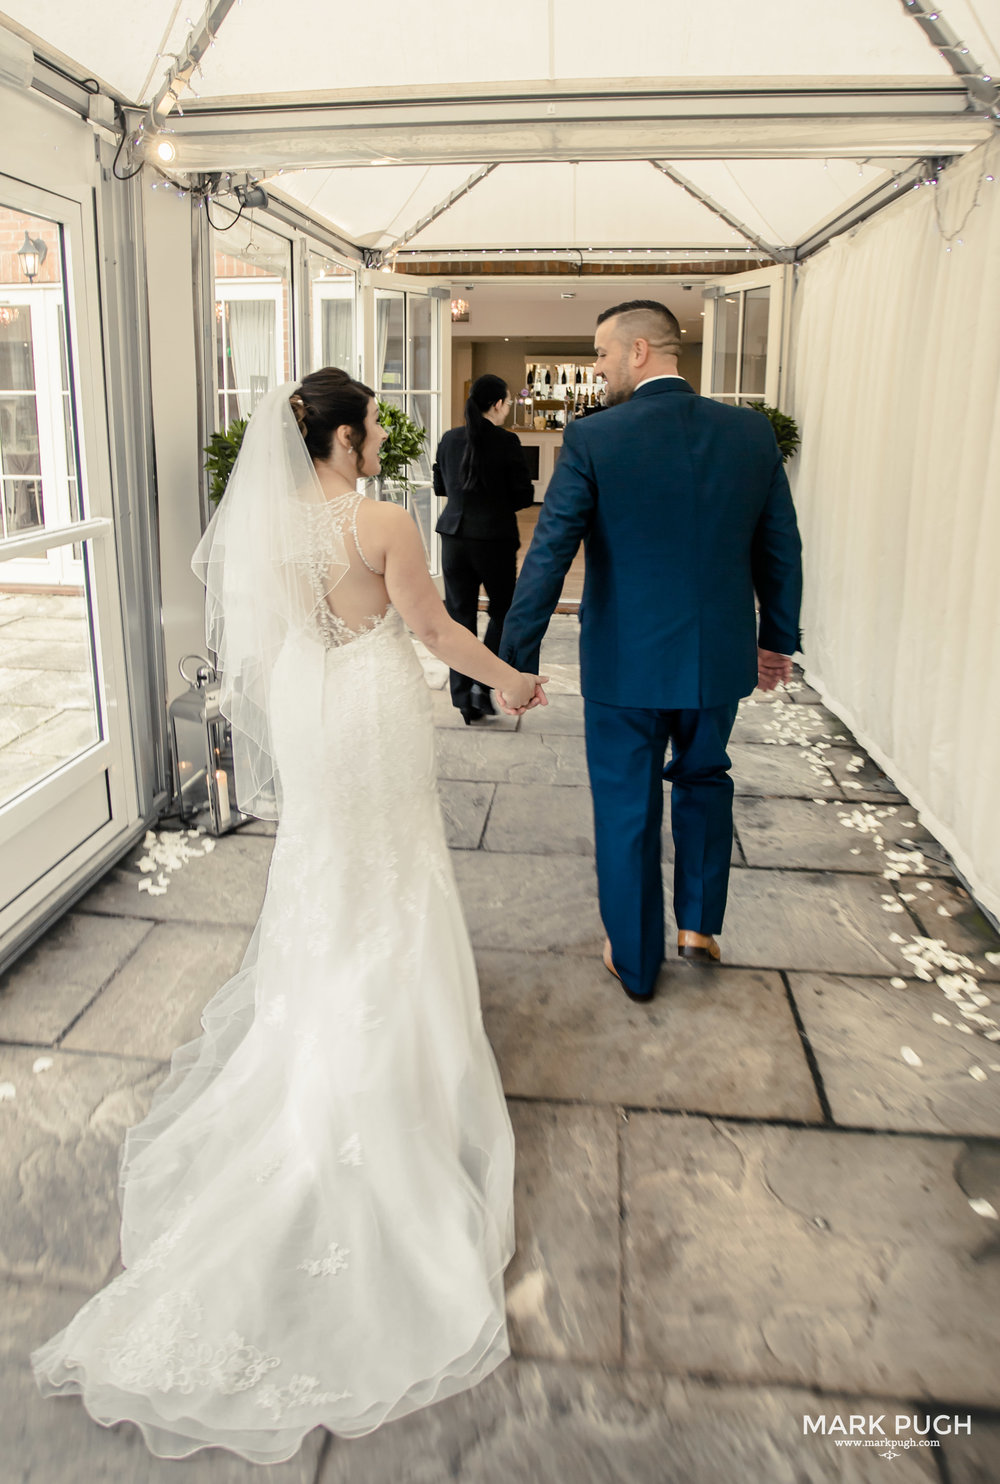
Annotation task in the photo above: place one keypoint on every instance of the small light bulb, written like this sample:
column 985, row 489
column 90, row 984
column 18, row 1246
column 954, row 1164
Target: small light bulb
column 165, row 151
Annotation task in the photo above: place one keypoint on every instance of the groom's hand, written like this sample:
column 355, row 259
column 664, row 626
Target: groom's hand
column 772, row 668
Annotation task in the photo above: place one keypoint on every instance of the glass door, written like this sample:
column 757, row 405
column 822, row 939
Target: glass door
column 408, row 376
column 744, row 336
column 67, row 783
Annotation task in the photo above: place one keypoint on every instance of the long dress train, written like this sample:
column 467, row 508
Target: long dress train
column 317, row 1211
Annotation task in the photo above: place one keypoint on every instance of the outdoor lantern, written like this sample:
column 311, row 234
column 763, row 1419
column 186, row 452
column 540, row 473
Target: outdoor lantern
column 202, row 752
column 32, row 253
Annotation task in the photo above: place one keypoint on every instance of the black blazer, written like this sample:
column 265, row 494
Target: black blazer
column 487, row 512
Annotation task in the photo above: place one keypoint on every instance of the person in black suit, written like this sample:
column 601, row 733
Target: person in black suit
column 481, row 471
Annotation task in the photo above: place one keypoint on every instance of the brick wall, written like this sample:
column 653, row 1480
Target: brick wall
column 13, row 225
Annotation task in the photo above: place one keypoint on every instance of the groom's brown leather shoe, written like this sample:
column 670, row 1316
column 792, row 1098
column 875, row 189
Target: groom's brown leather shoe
column 640, row 999
column 698, row 945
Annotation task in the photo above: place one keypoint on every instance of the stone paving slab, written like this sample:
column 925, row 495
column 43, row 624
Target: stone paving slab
column 49, row 626
column 800, row 693
column 54, row 1441
column 154, row 1004
column 62, row 1131
column 55, row 979
column 48, row 654
column 805, row 834
column 563, row 716
column 528, row 901
column 445, row 715
column 844, row 1261
column 869, row 782
column 64, row 735
column 465, row 807
column 69, row 689
column 11, row 679
column 961, row 926
column 537, row 819
column 564, row 679
column 974, row 1459
column 761, row 721
column 564, row 1294
column 777, row 772
column 810, row 920
column 15, row 721
column 713, row 1041
column 857, row 1029
column 548, row 1423
column 504, row 757
column 42, row 605
column 200, row 892
column 540, row 820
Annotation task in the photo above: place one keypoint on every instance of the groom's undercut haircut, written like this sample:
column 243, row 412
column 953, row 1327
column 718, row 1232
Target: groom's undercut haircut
column 646, row 319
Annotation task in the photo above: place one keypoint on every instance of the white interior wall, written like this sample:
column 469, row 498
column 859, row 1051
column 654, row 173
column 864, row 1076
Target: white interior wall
column 896, row 386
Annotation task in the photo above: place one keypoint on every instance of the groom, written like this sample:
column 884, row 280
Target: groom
column 685, row 513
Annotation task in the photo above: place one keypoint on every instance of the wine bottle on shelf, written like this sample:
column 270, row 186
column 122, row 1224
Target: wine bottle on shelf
column 548, row 377
column 579, row 376
column 564, row 377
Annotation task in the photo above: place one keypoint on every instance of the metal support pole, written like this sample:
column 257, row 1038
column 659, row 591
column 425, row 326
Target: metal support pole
column 779, row 254
column 981, row 86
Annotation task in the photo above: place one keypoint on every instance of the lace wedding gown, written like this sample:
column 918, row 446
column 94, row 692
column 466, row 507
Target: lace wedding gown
column 317, row 1211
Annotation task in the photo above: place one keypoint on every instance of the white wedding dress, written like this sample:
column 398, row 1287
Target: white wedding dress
column 317, row 1211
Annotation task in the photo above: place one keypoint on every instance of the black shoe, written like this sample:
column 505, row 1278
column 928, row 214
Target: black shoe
column 482, row 701
column 469, row 714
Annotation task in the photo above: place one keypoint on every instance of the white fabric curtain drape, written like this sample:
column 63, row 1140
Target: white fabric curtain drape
column 252, row 336
column 896, row 387
column 338, row 333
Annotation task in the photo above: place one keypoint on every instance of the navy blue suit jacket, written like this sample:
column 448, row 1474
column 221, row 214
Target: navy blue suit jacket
column 685, row 512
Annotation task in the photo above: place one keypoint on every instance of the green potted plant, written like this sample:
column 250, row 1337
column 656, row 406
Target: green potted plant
column 786, row 429
column 220, row 456
column 405, row 442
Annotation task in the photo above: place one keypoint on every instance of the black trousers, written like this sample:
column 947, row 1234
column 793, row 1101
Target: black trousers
column 467, row 565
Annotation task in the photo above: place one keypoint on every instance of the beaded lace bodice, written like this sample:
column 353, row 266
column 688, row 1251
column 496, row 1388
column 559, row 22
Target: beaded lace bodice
column 333, row 523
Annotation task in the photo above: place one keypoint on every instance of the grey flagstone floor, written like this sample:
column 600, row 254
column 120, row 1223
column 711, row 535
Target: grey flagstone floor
column 770, row 1194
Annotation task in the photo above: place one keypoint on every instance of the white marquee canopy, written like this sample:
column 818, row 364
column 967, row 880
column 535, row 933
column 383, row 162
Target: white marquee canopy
column 731, row 125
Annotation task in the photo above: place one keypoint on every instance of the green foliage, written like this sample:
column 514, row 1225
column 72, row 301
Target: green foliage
column 405, row 442
column 786, row 429
column 220, row 456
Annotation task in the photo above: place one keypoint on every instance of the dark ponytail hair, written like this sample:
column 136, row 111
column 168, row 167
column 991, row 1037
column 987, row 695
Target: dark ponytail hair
column 327, row 400
column 484, row 393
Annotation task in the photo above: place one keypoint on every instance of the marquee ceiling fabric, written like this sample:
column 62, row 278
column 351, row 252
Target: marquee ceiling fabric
column 270, row 49
column 783, row 112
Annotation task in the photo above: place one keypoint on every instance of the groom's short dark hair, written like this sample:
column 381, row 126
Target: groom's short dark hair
column 649, row 320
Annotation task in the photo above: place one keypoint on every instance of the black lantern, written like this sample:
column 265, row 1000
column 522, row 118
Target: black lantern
column 32, row 253
column 201, row 750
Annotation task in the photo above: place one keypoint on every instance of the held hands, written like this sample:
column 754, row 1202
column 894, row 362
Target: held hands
column 523, row 695
column 772, row 668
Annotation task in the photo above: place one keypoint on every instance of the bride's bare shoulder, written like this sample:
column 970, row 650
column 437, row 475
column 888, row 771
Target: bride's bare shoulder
column 385, row 525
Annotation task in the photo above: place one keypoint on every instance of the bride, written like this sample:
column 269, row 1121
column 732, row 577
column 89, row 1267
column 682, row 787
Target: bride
column 317, row 1211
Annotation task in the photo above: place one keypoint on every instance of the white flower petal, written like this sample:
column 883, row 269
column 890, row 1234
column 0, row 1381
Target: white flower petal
column 898, row 983
column 984, row 1208
column 41, row 1064
column 977, row 1073
column 910, row 1056
column 8, row 1092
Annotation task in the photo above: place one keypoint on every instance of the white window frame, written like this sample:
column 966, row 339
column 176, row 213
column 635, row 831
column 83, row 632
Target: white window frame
column 779, row 280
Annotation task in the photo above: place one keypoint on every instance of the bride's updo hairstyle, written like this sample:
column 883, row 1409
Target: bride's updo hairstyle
column 325, row 401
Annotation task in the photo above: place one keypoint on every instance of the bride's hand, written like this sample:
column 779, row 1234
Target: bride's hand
column 523, row 695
